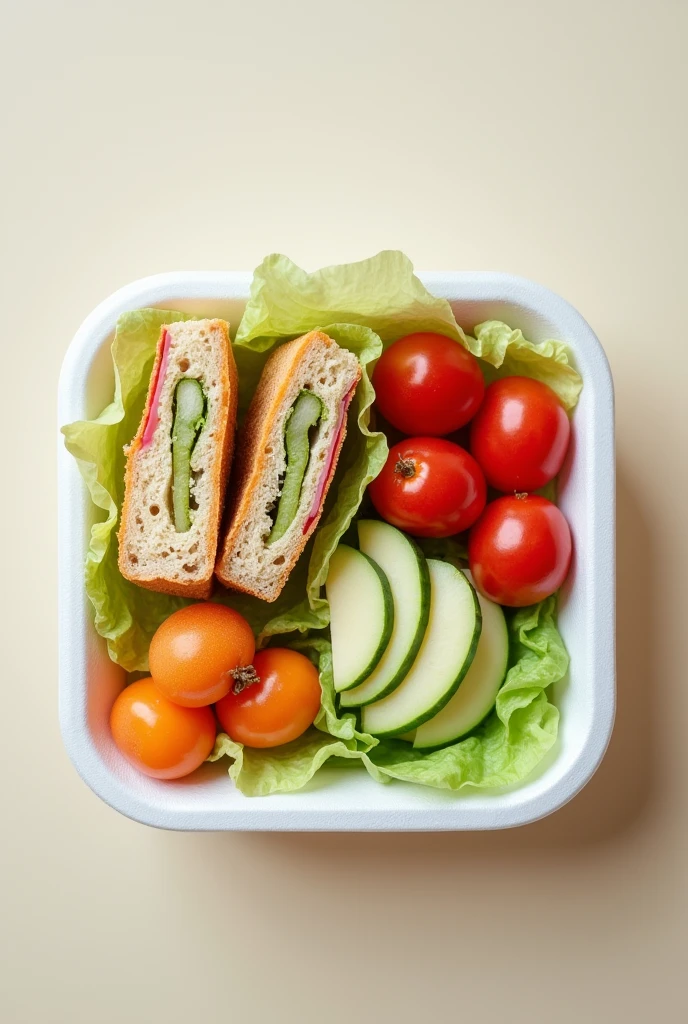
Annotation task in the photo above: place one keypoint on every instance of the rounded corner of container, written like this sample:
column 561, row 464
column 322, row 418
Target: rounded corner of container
column 580, row 773
column 95, row 775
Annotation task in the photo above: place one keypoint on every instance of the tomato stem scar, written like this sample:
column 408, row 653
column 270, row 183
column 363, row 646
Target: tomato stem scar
column 243, row 676
column 405, row 467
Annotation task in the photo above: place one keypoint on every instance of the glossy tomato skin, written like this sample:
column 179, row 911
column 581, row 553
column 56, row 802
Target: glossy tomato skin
column 520, row 435
column 443, row 493
column 278, row 708
column 519, row 551
column 157, row 737
column 428, row 384
column 194, row 651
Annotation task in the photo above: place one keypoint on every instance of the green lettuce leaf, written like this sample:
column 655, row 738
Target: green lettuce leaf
column 509, row 354
column 381, row 293
column 280, row 769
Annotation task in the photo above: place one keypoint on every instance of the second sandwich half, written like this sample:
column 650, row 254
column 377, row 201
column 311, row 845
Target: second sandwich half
column 286, row 457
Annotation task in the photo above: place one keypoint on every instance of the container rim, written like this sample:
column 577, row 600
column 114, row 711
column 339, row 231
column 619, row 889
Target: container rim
column 517, row 806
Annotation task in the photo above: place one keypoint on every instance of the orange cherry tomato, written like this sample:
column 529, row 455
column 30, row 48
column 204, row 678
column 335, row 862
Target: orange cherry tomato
column 194, row 652
column 279, row 707
column 159, row 738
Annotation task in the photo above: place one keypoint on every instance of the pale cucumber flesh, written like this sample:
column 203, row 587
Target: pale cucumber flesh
column 405, row 566
column 189, row 417
column 305, row 413
column 476, row 695
column 361, row 615
column 445, row 655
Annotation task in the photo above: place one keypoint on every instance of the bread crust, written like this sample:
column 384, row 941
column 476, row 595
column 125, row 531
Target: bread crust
column 220, row 472
column 250, row 460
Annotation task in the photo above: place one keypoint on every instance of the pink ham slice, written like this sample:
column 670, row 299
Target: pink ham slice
column 153, row 414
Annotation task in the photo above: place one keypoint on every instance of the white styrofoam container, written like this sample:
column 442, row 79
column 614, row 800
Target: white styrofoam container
column 338, row 799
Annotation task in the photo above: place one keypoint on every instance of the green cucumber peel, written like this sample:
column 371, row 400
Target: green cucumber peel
column 189, row 418
column 304, row 414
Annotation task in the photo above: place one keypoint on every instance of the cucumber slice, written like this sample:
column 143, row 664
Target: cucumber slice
column 445, row 655
column 404, row 565
column 361, row 615
column 477, row 693
column 189, row 417
column 306, row 411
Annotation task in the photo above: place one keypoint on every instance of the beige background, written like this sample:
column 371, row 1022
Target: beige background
column 543, row 138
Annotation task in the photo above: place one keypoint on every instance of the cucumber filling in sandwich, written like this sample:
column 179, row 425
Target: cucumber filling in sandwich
column 189, row 418
column 306, row 413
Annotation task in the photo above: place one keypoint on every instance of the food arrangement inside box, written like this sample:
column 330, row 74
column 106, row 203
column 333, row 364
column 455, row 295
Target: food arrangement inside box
column 380, row 589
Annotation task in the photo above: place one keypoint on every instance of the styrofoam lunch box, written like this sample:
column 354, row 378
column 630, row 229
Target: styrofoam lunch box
column 337, row 799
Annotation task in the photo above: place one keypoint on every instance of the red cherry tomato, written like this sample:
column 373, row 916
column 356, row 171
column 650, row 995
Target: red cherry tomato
column 159, row 738
column 278, row 707
column 519, row 551
column 429, row 487
column 520, row 434
column 193, row 653
column 428, row 384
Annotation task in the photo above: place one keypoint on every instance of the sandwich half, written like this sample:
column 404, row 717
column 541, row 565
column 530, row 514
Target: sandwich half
column 286, row 457
column 178, row 462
